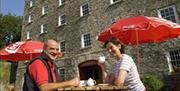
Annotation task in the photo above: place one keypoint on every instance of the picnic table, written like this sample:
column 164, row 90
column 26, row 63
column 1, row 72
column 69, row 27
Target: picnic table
column 94, row 88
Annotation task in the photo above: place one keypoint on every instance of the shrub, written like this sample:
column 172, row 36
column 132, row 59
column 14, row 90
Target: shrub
column 152, row 83
column 4, row 72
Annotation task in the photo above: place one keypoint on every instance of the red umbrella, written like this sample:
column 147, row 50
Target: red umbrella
column 141, row 29
column 21, row 51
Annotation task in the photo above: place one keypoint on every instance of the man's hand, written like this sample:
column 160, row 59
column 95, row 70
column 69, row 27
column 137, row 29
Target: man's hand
column 74, row 82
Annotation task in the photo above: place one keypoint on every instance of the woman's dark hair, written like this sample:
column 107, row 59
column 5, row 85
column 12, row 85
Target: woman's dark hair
column 115, row 41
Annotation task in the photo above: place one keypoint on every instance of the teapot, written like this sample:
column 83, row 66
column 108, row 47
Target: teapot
column 83, row 83
column 91, row 82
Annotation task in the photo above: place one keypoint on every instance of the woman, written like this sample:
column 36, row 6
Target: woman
column 124, row 71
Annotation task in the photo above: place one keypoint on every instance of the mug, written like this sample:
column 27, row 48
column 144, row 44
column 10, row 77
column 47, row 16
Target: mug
column 101, row 59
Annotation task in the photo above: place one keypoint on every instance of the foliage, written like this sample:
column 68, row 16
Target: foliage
column 4, row 71
column 10, row 24
column 152, row 83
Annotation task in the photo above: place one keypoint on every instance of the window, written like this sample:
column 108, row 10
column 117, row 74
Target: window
column 31, row 3
column 61, row 2
column 113, row 1
column 62, row 20
column 86, row 40
column 174, row 59
column 27, row 35
column 62, row 74
column 30, row 18
column 169, row 13
column 84, row 9
column 44, row 10
column 62, row 46
column 44, row 28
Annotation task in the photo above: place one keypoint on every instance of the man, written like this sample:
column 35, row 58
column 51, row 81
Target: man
column 38, row 71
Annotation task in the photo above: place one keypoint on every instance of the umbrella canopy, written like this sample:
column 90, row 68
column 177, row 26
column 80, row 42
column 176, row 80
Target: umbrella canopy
column 21, row 51
column 141, row 29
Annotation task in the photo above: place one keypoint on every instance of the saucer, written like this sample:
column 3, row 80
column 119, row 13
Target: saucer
column 103, row 84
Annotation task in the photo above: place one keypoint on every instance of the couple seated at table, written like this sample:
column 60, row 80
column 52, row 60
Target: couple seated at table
column 124, row 71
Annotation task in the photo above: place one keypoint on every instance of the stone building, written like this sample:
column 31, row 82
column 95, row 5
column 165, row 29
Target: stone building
column 76, row 24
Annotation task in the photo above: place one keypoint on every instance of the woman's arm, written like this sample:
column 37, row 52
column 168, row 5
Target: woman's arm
column 119, row 81
column 106, row 77
column 109, row 78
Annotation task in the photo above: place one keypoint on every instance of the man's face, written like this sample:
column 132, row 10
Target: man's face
column 52, row 50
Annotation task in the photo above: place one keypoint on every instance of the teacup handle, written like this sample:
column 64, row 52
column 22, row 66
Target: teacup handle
column 94, row 81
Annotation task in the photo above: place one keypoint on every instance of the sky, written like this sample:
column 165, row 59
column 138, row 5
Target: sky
column 15, row 7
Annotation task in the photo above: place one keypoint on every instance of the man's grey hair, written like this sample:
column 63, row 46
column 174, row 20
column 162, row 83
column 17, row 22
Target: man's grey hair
column 46, row 42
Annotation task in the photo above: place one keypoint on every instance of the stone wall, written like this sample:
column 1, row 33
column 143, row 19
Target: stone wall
column 151, row 56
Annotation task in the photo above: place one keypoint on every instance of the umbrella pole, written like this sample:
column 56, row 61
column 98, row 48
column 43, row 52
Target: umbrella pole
column 138, row 59
column 137, row 47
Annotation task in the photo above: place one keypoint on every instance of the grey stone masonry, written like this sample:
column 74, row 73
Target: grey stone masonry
column 152, row 57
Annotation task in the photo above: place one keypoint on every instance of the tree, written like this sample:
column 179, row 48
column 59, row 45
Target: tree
column 10, row 26
column 10, row 30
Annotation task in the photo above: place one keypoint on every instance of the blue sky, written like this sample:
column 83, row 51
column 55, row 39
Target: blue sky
column 15, row 7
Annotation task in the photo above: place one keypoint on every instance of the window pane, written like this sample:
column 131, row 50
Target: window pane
column 28, row 35
column 168, row 13
column 44, row 10
column 85, row 9
column 63, row 21
column 45, row 28
column 87, row 40
column 61, row 2
column 30, row 3
column 175, row 58
column 62, row 46
column 62, row 74
column 115, row 0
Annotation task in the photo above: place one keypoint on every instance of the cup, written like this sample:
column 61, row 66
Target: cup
column 101, row 59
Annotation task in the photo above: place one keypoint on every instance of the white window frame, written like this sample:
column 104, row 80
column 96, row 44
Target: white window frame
column 60, row 19
column 27, row 35
column 29, row 18
column 169, row 60
column 61, row 2
column 31, row 3
column 44, row 28
column 60, row 47
column 44, row 10
column 174, row 11
column 83, row 41
column 112, row 1
column 81, row 10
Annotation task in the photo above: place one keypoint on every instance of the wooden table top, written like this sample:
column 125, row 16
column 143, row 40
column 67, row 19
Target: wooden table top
column 96, row 88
